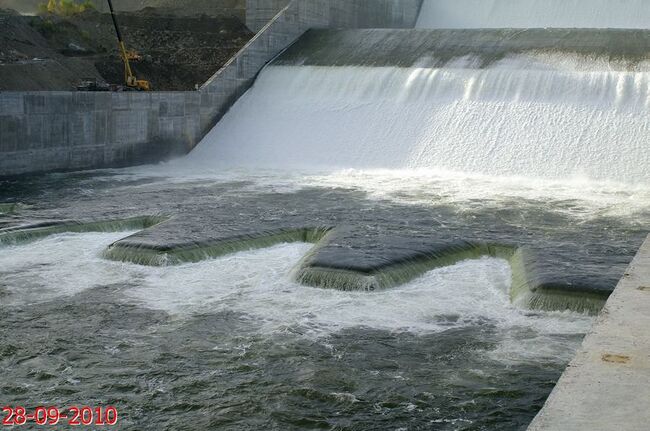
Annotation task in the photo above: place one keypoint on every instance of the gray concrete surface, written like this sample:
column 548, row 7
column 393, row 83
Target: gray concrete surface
column 260, row 12
column 49, row 131
column 607, row 386
column 339, row 13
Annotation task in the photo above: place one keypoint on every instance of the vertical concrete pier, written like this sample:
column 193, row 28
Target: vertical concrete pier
column 607, row 386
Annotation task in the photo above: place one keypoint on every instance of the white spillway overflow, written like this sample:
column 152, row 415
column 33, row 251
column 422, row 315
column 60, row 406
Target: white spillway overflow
column 506, row 120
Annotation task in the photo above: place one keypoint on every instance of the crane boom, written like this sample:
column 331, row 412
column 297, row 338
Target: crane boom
column 129, row 76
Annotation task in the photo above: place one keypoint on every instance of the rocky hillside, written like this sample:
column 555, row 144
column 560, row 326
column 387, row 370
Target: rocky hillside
column 53, row 53
column 183, row 8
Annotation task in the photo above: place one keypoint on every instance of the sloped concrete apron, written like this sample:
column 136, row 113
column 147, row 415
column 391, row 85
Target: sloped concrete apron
column 607, row 385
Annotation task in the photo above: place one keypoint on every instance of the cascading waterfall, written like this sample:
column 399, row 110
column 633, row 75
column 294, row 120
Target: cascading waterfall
column 502, row 120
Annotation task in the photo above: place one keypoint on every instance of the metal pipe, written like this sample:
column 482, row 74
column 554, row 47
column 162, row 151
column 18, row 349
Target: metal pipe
column 128, row 73
column 117, row 27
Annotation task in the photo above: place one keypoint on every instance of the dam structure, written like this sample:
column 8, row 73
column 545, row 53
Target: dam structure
column 58, row 131
column 396, row 214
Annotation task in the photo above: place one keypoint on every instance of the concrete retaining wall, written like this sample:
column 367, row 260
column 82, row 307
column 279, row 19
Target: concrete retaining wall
column 340, row 13
column 260, row 12
column 607, row 385
column 47, row 131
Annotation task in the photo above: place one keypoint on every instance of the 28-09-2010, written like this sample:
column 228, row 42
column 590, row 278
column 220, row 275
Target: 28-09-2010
column 72, row 416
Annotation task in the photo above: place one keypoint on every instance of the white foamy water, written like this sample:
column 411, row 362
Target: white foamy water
column 589, row 199
column 534, row 14
column 501, row 121
column 257, row 284
column 59, row 265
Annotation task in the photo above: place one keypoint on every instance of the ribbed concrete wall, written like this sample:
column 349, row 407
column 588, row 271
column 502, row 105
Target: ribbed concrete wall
column 46, row 131
column 260, row 12
column 341, row 13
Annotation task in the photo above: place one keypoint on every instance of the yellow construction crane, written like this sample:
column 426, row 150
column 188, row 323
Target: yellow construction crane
column 130, row 79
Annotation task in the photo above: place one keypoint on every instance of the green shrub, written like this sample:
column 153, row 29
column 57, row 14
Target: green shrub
column 44, row 26
column 65, row 7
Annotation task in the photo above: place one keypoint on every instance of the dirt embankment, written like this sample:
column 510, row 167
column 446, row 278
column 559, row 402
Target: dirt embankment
column 181, row 8
column 54, row 53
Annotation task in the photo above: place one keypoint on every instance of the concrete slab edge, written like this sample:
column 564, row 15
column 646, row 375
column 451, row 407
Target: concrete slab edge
column 607, row 385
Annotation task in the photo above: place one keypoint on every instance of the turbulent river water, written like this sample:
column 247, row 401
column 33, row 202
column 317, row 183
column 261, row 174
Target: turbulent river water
column 233, row 343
